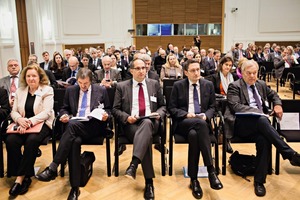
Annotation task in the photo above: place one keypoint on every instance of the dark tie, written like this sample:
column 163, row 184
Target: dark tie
column 73, row 73
column 196, row 100
column 13, row 87
column 83, row 104
column 142, row 105
column 259, row 106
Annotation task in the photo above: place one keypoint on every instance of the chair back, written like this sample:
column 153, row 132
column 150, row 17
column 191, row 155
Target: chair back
column 59, row 94
column 167, row 89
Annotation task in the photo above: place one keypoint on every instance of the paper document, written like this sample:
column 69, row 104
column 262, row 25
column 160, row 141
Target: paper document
column 290, row 121
column 82, row 119
column 202, row 172
column 97, row 113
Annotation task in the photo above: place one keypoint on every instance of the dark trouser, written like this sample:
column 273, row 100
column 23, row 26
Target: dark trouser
column 197, row 133
column 141, row 136
column 70, row 145
column 260, row 131
column 19, row 164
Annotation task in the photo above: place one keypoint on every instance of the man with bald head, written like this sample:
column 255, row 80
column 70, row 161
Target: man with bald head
column 72, row 70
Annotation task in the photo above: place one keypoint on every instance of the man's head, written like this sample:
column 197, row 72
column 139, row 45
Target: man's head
column 138, row 70
column 203, row 52
column 162, row 53
column 106, row 63
column 84, row 78
column 13, row 67
column 45, row 55
column 117, row 53
column 73, row 63
column 189, row 55
column 147, row 59
column 93, row 53
column 32, row 58
column 192, row 70
column 249, row 71
column 217, row 55
column 67, row 53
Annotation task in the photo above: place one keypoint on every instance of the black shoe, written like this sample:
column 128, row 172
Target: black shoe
column 17, row 188
column 131, row 171
column 46, row 175
column 25, row 185
column 214, row 181
column 74, row 193
column 121, row 149
column 196, row 189
column 149, row 192
column 229, row 147
column 158, row 148
column 259, row 189
column 39, row 153
column 295, row 160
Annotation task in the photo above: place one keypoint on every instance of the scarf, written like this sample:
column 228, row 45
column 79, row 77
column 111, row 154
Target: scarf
column 225, row 81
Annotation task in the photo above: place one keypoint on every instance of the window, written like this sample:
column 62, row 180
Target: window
column 141, row 29
column 166, row 29
column 191, row 29
column 178, row 29
column 202, row 29
column 214, row 29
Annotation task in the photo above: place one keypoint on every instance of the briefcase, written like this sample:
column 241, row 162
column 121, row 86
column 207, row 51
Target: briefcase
column 87, row 159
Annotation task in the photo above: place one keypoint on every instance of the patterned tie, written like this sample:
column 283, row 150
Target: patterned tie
column 142, row 104
column 107, row 75
column 13, row 87
column 259, row 106
column 83, row 104
column 196, row 100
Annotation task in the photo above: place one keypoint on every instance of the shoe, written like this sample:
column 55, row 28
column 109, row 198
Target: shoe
column 259, row 189
column 121, row 149
column 295, row 160
column 25, row 185
column 74, row 193
column 39, row 153
column 149, row 192
column 46, row 175
column 17, row 188
column 196, row 189
column 214, row 181
column 131, row 171
column 229, row 147
column 158, row 146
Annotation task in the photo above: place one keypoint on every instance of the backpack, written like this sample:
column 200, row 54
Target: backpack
column 242, row 165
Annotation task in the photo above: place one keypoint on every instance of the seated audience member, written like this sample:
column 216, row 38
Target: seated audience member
column 189, row 55
column 146, row 99
column 57, row 66
column 125, row 55
column 67, row 54
column 80, row 100
column 46, row 64
column 4, row 105
column 258, row 56
column 160, row 60
column 266, row 54
column 86, row 64
column 94, row 60
column 107, row 76
column 239, row 66
column 212, row 64
column 198, row 57
column 33, row 104
column 11, row 82
column 250, row 95
column 185, row 106
column 71, row 71
column 122, row 65
column 170, row 49
column 171, row 69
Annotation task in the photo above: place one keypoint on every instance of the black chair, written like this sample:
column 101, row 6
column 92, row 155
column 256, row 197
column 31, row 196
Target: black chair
column 266, row 69
column 179, row 139
column 288, row 134
column 57, row 129
column 294, row 76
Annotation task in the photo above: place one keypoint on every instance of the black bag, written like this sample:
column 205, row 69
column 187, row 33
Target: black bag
column 242, row 165
column 86, row 164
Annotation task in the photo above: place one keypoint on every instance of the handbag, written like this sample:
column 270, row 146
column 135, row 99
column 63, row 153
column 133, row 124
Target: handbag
column 87, row 159
column 242, row 165
column 12, row 128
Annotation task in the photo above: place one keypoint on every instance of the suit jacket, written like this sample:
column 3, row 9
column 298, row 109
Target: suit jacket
column 114, row 75
column 153, row 75
column 4, row 105
column 165, row 73
column 238, row 101
column 5, row 84
column 66, row 73
column 99, row 62
column 210, row 67
column 123, row 99
column 216, row 80
column 179, row 100
column 71, row 99
column 279, row 65
column 42, row 65
column 42, row 107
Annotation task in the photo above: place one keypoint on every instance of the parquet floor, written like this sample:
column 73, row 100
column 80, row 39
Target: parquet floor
column 284, row 186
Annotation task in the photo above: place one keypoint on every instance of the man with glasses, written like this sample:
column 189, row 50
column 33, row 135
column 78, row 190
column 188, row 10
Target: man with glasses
column 192, row 105
column 72, row 70
column 135, row 99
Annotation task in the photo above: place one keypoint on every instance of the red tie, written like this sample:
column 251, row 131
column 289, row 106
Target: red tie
column 142, row 105
column 107, row 75
column 13, row 87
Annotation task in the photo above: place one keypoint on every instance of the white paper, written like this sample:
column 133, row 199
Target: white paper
column 82, row 119
column 97, row 113
column 290, row 121
column 202, row 172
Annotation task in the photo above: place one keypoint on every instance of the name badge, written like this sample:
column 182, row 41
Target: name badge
column 153, row 99
column 267, row 103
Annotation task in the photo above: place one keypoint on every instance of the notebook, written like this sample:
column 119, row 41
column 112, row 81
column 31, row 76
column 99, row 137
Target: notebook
column 35, row 129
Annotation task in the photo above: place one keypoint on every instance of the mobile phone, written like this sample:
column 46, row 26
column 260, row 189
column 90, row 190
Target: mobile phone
column 107, row 80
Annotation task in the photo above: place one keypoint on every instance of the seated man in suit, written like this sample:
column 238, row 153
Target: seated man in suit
column 46, row 64
column 107, row 76
column 72, row 70
column 136, row 98
column 251, row 95
column 80, row 100
column 192, row 105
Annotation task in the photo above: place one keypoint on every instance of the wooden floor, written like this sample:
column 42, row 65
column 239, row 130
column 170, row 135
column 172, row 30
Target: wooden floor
column 284, row 186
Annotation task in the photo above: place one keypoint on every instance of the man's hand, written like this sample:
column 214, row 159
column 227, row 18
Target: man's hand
column 131, row 119
column 64, row 118
column 190, row 115
column 106, row 83
column 156, row 114
column 104, row 117
column 278, row 111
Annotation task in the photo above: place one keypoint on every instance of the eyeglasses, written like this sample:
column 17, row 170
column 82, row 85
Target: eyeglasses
column 139, row 68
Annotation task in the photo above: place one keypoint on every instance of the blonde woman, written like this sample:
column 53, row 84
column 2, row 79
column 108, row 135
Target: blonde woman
column 171, row 69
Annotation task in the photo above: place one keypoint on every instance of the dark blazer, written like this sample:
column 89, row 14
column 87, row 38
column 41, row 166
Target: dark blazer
column 114, row 75
column 5, row 84
column 4, row 105
column 99, row 62
column 210, row 67
column 179, row 100
column 71, row 99
column 66, row 74
column 153, row 75
column 216, row 80
column 279, row 65
column 238, row 101
column 123, row 99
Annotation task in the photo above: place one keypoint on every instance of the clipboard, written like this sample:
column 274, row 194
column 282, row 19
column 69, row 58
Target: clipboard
column 35, row 129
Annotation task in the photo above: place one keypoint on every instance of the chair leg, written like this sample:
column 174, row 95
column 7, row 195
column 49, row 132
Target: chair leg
column 162, row 157
column 116, row 165
column 108, row 160
column 170, row 154
column 217, row 150
column 277, row 163
column 224, row 145
column 62, row 169
column 1, row 159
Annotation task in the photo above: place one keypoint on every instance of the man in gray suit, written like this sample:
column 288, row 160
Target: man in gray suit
column 251, row 95
column 107, row 76
column 136, row 98
column 11, row 82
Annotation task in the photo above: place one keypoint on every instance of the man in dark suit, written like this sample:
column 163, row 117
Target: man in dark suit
column 212, row 65
column 45, row 65
column 79, row 101
column 192, row 105
column 72, row 70
column 251, row 95
column 94, row 59
column 136, row 98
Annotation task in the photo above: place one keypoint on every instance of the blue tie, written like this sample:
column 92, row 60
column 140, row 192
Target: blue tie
column 196, row 100
column 83, row 105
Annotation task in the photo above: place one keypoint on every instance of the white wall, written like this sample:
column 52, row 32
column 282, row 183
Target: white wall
column 261, row 20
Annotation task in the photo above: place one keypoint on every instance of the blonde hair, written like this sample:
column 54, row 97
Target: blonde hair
column 43, row 77
column 167, row 65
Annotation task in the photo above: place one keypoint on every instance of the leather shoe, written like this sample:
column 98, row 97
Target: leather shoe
column 17, row 188
column 121, row 149
column 196, row 189
column 259, row 189
column 295, row 160
column 131, row 171
column 74, row 193
column 214, row 181
column 149, row 192
column 229, row 147
column 46, row 175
